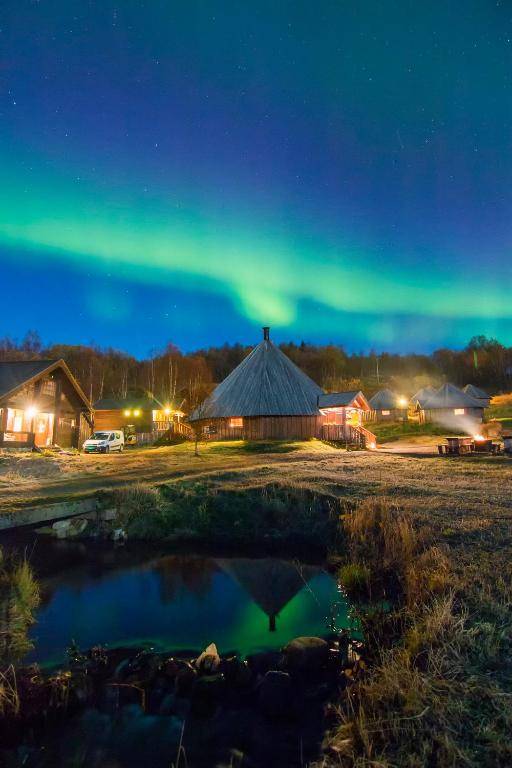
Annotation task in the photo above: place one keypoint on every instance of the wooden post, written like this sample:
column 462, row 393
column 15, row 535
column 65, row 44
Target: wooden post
column 56, row 409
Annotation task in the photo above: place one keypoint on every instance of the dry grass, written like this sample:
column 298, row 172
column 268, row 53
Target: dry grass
column 441, row 693
column 434, row 700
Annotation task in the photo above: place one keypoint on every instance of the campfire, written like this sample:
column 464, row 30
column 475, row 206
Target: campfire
column 458, row 446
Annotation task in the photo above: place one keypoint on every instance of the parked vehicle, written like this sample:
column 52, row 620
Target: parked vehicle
column 105, row 442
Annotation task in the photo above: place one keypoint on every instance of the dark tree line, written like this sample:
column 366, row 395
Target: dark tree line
column 185, row 378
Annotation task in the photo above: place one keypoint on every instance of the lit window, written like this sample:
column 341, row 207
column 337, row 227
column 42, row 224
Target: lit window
column 48, row 387
column 236, row 422
column 459, row 411
column 386, row 413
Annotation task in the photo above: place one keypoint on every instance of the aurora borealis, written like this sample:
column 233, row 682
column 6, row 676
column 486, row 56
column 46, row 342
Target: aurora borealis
column 191, row 171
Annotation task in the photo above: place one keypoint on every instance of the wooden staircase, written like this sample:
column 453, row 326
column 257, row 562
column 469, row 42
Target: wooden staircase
column 351, row 435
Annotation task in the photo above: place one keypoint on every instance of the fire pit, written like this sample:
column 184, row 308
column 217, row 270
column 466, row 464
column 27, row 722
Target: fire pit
column 458, row 446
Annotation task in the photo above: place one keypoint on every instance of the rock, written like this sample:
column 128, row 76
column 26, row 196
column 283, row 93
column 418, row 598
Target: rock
column 206, row 694
column 260, row 663
column 184, row 680
column 171, row 667
column 236, row 671
column 66, row 529
column 306, row 654
column 275, row 694
column 208, row 661
column 107, row 515
column 142, row 668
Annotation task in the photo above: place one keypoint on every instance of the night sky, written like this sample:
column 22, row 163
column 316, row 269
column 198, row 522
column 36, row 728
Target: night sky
column 190, row 171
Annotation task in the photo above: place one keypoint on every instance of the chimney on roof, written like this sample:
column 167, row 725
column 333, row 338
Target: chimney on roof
column 266, row 332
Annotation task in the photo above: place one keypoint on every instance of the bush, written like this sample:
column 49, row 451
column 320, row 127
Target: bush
column 355, row 579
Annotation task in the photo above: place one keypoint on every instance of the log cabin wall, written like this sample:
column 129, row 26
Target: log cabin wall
column 115, row 419
column 448, row 415
column 262, row 428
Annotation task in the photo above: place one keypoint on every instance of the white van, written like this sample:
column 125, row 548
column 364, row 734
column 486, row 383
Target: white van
column 105, row 441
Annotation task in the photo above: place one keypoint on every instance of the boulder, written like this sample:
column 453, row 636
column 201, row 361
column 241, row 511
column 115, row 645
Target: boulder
column 262, row 662
column 306, row 654
column 236, row 671
column 206, row 694
column 275, row 694
column 208, row 661
column 184, row 680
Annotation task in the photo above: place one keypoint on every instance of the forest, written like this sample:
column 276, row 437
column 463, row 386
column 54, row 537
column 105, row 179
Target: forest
column 184, row 379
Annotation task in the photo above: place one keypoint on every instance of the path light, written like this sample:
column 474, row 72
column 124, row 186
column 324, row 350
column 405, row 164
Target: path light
column 31, row 412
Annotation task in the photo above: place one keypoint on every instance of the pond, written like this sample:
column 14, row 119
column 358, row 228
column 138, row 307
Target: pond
column 135, row 596
column 132, row 596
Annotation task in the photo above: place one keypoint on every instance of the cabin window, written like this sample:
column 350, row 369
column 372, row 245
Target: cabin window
column 48, row 387
column 386, row 413
column 238, row 422
column 459, row 411
column 16, row 421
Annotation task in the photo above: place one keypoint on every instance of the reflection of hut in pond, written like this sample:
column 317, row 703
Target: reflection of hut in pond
column 271, row 583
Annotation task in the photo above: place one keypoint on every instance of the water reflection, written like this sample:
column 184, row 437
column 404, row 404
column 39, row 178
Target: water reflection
column 176, row 602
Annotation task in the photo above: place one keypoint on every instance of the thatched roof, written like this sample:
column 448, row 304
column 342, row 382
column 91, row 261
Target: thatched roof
column 384, row 399
column 266, row 383
column 423, row 394
column 344, row 399
column 476, row 392
column 450, row 396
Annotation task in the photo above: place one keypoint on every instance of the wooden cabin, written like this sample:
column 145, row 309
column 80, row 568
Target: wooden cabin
column 143, row 417
column 42, row 404
column 451, row 406
column 267, row 397
column 388, row 406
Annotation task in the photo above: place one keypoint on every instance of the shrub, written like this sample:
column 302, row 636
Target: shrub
column 355, row 579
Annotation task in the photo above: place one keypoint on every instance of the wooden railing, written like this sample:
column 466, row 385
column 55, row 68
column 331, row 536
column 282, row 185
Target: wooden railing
column 180, row 428
column 347, row 433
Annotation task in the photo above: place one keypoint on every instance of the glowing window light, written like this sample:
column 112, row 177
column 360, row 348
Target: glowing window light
column 236, row 422
column 459, row 411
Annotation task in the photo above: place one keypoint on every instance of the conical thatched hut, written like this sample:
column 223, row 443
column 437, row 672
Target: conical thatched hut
column 267, row 397
column 388, row 406
column 449, row 405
